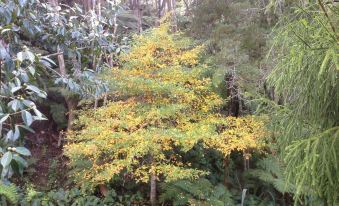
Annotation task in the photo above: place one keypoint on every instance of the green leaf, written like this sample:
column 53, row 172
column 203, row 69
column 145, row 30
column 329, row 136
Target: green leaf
column 31, row 70
column 28, row 103
column 26, row 55
column 10, row 135
column 16, row 133
column 14, row 104
column 4, row 118
column 27, row 128
column 22, row 3
column 6, row 159
column 39, row 118
column 5, row 30
column 27, row 117
column 325, row 62
column 37, row 112
column 14, row 89
column 47, row 61
column 20, row 160
column 23, row 151
column 36, row 90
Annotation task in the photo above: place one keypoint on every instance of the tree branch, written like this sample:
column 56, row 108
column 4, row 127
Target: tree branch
column 328, row 17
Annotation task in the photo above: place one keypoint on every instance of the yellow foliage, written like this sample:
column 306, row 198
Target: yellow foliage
column 167, row 105
column 239, row 134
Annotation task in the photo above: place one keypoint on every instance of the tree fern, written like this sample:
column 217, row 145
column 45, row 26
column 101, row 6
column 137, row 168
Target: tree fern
column 271, row 171
column 200, row 192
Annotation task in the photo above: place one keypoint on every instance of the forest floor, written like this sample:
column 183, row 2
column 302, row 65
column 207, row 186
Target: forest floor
column 48, row 166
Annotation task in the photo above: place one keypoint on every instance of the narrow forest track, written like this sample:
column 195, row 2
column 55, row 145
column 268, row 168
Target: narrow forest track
column 48, row 165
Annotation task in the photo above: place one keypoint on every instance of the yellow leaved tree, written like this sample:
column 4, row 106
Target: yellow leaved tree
column 242, row 134
column 164, row 104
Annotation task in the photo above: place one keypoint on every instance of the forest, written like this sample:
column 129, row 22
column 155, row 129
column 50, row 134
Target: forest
column 169, row 102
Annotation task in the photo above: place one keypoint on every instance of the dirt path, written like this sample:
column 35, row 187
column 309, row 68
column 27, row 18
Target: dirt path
column 48, row 169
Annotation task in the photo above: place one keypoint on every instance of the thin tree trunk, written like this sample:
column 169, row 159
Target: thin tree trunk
column 139, row 15
column 87, row 4
column 71, row 105
column 96, row 101
column 94, row 5
column 105, row 98
column 99, row 8
column 53, row 2
column 169, row 5
column 153, row 192
column 174, row 16
column 187, row 8
column 226, row 174
column 103, row 190
column 3, row 45
column 158, row 7
column 161, row 5
column 62, row 70
column 61, row 61
column 246, row 157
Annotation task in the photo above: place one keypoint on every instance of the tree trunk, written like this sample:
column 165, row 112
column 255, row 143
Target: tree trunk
column 161, row 8
column 169, row 5
column 226, row 174
column 99, row 9
column 87, row 4
column 135, row 6
column 139, row 15
column 103, row 190
column 71, row 106
column 94, row 5
column 174, row 16
column 153, row 192
column 61, row 61
column 232, row 92
column 53, row 2
column 246, row 157
column 187, row 8
column 96, row 101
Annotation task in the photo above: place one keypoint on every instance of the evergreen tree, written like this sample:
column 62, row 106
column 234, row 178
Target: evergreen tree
column 306, row 78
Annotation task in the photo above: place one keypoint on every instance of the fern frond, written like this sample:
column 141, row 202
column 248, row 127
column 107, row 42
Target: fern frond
column 9, row 192
column 199, row 192
column 271, row 171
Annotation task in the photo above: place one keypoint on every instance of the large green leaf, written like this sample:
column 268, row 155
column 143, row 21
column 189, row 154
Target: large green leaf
column 6, row 159
column 26, row 55
column 22, row 3
column 37, row 91
column 27, row 128
column 4, row 118
column 27, row 117
column 23, row 151
column 20, row 160
column 14, row 104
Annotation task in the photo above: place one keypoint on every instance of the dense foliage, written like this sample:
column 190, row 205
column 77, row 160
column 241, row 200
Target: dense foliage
column 169, row 102
column 165, row 106
column 306, row 78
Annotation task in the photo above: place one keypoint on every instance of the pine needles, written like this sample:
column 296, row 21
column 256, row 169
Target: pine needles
column 306, row 77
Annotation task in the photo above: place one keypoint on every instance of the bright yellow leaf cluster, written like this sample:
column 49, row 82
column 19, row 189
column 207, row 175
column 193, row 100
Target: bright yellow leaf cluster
column 239, row 134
